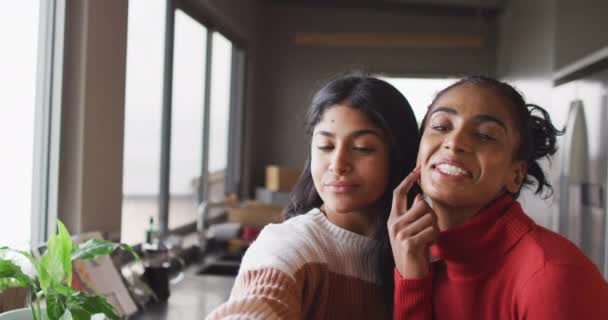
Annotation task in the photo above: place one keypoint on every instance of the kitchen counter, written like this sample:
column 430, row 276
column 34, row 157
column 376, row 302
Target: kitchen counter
column 194, row 297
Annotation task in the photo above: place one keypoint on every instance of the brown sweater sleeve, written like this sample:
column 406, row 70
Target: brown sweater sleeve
column 262, row 294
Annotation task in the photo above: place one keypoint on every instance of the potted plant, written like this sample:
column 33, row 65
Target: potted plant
column 53, row 278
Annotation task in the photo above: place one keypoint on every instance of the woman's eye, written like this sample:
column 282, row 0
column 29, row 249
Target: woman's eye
column 325, row 147
column 364, row 149
column 485, row 137
column 439, row 128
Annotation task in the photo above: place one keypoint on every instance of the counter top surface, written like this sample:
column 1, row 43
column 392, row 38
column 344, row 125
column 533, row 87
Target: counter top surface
column 194, row 297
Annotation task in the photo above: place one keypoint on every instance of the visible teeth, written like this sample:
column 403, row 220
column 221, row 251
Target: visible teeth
column 451, row 170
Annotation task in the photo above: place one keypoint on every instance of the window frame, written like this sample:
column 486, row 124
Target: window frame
column 47, row 135
column 233, row 175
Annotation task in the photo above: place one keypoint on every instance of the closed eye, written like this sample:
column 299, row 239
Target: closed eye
column 364, row 149
column 485, row 137
column 439, row 128
column 325, row 147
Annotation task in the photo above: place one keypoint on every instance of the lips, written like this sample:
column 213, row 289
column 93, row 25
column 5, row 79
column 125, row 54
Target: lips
column 451, row 168
column 340, row 187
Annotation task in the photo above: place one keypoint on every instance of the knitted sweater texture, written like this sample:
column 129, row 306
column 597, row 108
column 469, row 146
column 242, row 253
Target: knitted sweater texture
column 307, row 268
column 501, row 265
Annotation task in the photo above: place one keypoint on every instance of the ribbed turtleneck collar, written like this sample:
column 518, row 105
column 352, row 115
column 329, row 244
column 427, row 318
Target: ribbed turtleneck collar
column 479, row 242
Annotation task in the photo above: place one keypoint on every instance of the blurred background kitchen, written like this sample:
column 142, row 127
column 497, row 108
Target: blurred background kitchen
column 190, row 112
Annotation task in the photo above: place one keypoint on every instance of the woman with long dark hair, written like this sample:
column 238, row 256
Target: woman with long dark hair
column 331, row 258
column 481, row 143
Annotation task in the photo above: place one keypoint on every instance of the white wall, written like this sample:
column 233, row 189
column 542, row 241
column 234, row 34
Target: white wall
column 526, row 59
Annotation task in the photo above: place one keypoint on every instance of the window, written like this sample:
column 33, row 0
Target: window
column 17, row 117
column 189, row 51
column 183, row 118
column 143, row 106
column 29, row 118
column 221, row 67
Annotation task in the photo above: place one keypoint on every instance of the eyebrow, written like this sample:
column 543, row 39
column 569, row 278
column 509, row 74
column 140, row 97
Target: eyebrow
column 353, row 134
column 479, row 118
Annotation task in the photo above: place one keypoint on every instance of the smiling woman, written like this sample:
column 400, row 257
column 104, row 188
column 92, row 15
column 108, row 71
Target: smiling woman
column 481, row 143
column 466, row 157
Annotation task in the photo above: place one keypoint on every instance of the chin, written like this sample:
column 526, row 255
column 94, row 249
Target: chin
column 340, row 208
column 450, row 198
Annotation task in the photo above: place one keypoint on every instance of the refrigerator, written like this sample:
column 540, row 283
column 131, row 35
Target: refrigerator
column 580, row 175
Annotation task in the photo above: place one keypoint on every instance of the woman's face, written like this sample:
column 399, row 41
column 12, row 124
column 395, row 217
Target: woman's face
column 467, row 149
column 349, row 160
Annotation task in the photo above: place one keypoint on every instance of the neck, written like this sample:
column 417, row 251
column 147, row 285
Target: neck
column 449, row 216
column 360, row 222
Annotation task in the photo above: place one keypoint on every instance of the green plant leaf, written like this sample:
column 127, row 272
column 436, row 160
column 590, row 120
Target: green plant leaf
column 54, row 278
column 28, row 255
column 64, row 290
column 55, row 305
column 79, row 314
column 95, row 247
column 67, row 315
column 11, row 276
column 56, row 262
column 25, row 254
column 91, row 304
column 65, row 242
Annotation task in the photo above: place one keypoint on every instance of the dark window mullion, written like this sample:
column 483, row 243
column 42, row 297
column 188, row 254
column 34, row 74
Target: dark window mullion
column 165, row 149
column 233, row 177
column 204, row 179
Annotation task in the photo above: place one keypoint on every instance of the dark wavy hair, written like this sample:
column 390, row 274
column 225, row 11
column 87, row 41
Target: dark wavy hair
column 387, row 109
column 537, row 134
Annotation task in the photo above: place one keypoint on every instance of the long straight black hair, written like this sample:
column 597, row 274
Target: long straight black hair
column 387, row 109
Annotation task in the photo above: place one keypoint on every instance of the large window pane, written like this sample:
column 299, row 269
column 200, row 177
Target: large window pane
column 19, row 33
column 143, row 108
column 221, row 67
column 187, row 118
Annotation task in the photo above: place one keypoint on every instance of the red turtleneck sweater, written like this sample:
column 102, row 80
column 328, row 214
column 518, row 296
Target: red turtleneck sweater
column 501, row 265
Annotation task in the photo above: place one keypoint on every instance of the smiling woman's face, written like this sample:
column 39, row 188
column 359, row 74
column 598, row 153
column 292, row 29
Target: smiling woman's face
column 467, row 149
column 349, row 160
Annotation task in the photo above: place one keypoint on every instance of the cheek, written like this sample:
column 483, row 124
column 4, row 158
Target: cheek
column 376, row 171
column 316, row 168
column 319, row 168
column 424, row 152
column 499, row 161
column 420, row 156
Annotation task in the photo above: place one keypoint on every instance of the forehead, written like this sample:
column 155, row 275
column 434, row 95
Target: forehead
column 344, row 117
column 470, row 100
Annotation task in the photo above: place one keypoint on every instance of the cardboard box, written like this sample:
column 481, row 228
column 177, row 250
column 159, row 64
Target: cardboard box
column 255, row 214
column 279, row 178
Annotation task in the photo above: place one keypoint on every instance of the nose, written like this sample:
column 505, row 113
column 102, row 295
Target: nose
column 457, row 141
column 340, row 161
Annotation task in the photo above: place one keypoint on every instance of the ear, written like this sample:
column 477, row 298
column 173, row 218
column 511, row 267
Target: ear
column 516, row 176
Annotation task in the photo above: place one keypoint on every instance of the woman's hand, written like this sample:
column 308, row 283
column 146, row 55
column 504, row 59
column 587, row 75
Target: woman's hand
column 411, row 231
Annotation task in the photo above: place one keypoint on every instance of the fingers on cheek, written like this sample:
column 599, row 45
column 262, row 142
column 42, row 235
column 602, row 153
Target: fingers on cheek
column 405, row 230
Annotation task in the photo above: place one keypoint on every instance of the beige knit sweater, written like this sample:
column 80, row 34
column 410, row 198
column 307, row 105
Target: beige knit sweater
column 307, row 268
